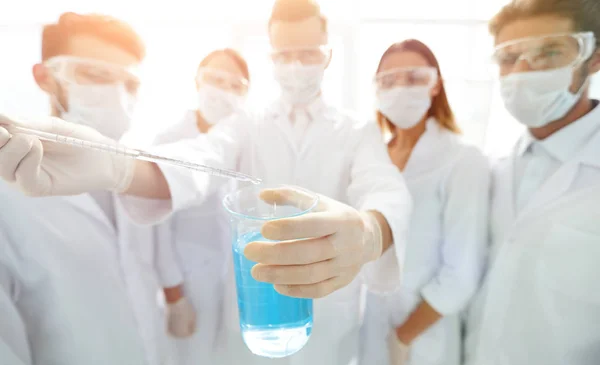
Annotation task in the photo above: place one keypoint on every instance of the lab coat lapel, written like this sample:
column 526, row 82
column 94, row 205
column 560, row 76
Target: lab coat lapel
column 320, row 128
column 561, row 181
column 431, row 152
column 553, row 188
column 86, row 204
column 591, row 155
column 504, row 187
column 283, row 123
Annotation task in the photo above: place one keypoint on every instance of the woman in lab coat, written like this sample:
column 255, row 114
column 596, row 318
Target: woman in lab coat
column 193, row 244
column 449, row 181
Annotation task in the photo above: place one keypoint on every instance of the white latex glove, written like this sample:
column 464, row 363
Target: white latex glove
column 397, row 350
column 322, row 251
column 42, row 168
column 181, row 318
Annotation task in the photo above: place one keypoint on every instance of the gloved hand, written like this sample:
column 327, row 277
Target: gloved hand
column 397, row 350
column 41, row 168
column 322, row 251
column 181, row 318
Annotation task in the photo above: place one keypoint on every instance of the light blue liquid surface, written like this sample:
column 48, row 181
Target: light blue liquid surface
column 273, row 325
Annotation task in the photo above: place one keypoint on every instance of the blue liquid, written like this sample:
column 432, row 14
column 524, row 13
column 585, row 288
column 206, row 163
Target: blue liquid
column 273, row 325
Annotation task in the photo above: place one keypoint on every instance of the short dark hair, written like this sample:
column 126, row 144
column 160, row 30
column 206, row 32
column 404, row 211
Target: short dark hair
column 585, row 14
column 233, row 54
column 296, row 11
column 55, row 37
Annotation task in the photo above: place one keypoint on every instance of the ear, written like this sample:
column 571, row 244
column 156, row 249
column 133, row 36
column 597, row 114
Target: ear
column 437, row 88
column 44, row 79
column 595, row 63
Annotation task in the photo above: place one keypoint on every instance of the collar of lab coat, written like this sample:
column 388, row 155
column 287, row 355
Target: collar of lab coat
column 432, row 151
column 567, row 142
column 314, row 109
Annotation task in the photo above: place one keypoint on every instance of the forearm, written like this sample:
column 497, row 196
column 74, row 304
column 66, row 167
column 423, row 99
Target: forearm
column 423, row 317
column 148, row 182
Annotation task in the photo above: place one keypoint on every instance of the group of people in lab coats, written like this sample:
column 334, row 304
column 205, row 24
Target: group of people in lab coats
column 464, row 260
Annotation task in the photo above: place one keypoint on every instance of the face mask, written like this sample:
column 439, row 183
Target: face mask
column 299, row 83
column 539, row 97
column 216, row 104
column 405, row 107
column 106, row 108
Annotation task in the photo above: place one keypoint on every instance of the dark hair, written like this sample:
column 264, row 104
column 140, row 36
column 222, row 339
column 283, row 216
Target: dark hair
column 296, row 11
column 440, row 107
column 55, row 37
column 585, row 14
column 231, row 53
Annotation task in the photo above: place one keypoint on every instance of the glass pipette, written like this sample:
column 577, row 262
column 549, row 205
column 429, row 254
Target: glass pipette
column 134, row 153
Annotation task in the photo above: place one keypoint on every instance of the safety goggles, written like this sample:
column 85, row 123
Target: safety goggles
column 306, row 56
column 406, row 77
column 85, row 71
column 544, row 53
column 222, row 80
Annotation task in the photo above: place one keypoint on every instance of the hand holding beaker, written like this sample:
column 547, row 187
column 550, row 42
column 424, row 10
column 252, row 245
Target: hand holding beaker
column 319, row 252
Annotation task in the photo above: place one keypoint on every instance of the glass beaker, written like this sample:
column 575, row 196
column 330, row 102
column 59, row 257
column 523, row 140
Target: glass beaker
column 272, row 325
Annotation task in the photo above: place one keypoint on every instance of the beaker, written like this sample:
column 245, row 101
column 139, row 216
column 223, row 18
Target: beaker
column 272, row 325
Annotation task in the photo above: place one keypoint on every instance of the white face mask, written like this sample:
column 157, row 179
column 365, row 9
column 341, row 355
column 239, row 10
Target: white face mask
column 539, row 97
column 405, row 107
column 216, row 104
column 106, row 108
column 300, row 84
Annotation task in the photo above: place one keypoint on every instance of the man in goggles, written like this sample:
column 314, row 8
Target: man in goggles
column 73, row 286
column 89, row 86
column 300, row 140
column 539, row 303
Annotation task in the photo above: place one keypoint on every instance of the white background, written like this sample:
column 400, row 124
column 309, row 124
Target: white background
column 178, row 33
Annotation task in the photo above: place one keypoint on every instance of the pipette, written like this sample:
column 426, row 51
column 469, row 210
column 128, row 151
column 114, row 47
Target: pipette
column 133, row 153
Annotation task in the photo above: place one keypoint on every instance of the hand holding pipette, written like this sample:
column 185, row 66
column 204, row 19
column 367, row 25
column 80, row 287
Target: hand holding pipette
column 63, row 167
column 134, row 153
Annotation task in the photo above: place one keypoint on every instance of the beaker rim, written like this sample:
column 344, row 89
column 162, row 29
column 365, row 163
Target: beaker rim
column 236, row 214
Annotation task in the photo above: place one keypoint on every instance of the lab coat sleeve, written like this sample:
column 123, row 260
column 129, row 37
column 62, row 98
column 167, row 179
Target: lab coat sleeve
column 219, row 148
column 14, row 344
column 464, row 231
column 377, row 184
column 168, row 267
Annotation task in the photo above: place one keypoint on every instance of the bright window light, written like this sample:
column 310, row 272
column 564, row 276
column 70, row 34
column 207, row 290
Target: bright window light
column 179, row 35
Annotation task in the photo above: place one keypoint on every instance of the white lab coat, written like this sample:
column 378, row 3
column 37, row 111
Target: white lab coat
column 191, row 246
column 540, row 302
column 72, row 291
column 339, row 158
column 449, row 182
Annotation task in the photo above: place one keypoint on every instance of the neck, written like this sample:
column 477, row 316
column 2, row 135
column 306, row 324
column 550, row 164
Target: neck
column 201, row 123
column 54, row 111
column 408, row 138
column 304, row 105
column 584, row 106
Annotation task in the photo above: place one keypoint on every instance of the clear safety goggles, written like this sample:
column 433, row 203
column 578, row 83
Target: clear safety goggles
column 406, row 77
column 85, row 71
column 222, row 80
column 544, row 53
column 306, row 56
